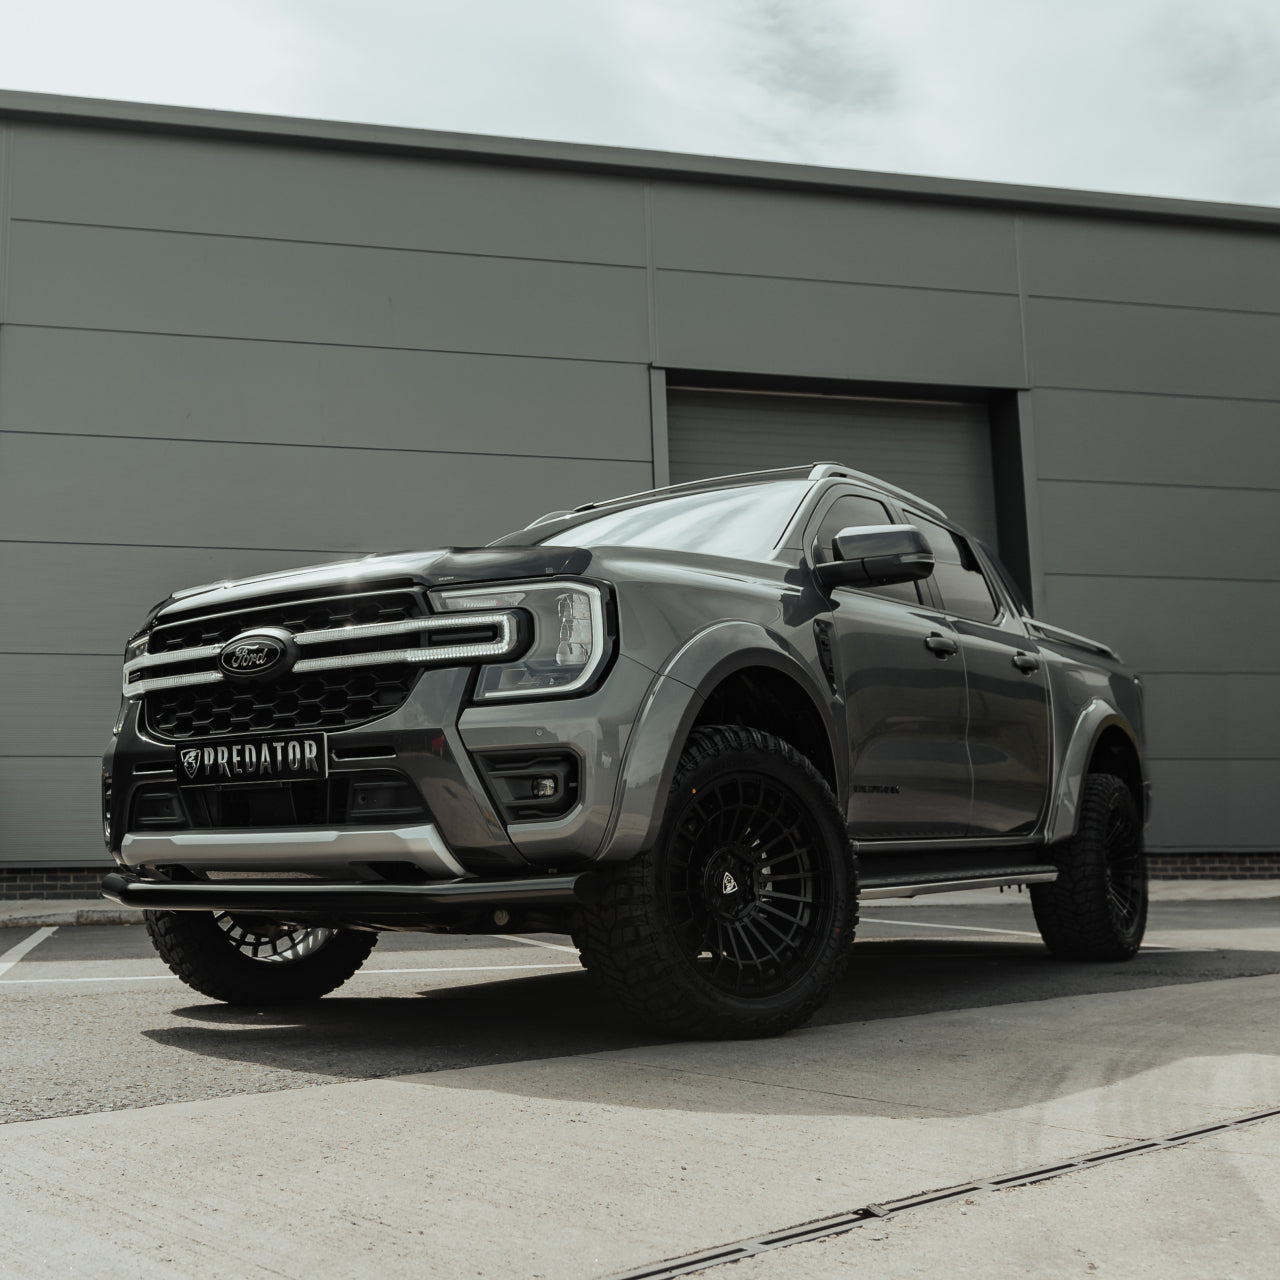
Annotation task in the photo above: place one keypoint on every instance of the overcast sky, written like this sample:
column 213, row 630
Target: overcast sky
column 1159, row 97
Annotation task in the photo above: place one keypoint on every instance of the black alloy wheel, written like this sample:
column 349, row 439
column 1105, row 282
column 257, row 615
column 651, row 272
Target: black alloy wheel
column 741, row 887
column 272, row 941
column 738, row 921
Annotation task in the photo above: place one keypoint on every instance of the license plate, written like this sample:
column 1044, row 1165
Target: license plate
column 267, row 759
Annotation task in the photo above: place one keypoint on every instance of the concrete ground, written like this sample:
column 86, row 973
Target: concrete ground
column 454, row 1112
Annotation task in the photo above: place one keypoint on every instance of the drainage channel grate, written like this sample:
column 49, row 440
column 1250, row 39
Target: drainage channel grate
column 820, row 1228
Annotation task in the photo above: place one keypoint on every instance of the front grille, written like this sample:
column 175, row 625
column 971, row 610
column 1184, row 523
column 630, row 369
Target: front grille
column 335, row 699
column 319, row 700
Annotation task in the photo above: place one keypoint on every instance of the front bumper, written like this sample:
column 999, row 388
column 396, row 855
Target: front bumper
column 374, row 902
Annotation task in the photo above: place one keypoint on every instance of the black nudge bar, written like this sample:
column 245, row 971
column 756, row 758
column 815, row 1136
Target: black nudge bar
column 263, row 897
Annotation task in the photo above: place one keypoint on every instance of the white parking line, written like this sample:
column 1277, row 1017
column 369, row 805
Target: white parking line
column 360, row 973
column 535, row 942
column 978, row 928
column 14, row 954
column 968, row 928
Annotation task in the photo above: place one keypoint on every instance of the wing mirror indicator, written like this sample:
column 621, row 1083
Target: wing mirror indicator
column 876, row 556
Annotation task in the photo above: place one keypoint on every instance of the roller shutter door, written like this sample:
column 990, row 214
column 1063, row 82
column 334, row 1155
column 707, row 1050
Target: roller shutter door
column 940, row 451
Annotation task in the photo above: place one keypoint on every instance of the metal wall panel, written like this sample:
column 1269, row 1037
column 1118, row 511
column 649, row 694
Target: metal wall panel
column 815, row 329
column 217, row 286
column 56, row 704
column 1145, row 439
column 237, row 189
column 140, row 384
column 1214, row 805
column 50, row 811
column 827, row 237
column 87, row 599
column 1176, row 531
column 282, row 497
column 1218, row 715
column 1130, row 261
column 1172, row 624
column 1112, row 346
column 940, row 451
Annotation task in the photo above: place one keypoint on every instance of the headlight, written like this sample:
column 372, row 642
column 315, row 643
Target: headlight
column 132, row 651
column 569, row 643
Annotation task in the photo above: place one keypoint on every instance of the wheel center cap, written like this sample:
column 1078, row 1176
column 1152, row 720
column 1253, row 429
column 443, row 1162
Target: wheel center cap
column 727, row 885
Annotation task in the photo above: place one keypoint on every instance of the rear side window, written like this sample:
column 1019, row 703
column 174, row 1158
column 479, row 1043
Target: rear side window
column 957, row 577
column 849, row 512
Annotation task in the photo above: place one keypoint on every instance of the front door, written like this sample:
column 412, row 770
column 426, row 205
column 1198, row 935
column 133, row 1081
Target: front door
column 904, row 687
column 902, row 673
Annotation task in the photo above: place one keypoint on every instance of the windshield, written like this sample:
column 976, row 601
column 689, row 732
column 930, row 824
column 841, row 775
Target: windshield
column 745, row 523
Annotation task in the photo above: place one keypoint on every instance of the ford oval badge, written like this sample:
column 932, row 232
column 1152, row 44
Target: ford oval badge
column 253, row 655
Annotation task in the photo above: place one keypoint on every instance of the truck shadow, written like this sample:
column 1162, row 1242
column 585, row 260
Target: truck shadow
column 852, row 1059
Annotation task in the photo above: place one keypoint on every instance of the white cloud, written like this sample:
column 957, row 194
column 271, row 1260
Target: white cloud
column 1167, row 97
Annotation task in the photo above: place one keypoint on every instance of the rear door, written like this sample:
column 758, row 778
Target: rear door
column 899, row 666
column 1008, row 722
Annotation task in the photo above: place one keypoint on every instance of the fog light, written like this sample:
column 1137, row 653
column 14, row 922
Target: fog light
column 544, row 788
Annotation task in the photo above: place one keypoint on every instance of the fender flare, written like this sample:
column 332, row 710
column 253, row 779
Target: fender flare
column 671, row 705
column 1094, row 719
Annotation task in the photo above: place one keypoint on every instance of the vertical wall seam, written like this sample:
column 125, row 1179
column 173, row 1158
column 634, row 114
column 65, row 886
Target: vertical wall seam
column 649, row 274
column 658, row 420
column 657, row 375
column 6, row 201
column 6, row 188
column 1026, row 437
column 1022, row 299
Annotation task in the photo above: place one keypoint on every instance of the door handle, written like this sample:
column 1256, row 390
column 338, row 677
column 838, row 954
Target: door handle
column 940, row 645
column 1026, row 663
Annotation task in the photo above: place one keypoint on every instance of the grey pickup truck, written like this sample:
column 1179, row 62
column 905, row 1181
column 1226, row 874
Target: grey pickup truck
column 690, row 728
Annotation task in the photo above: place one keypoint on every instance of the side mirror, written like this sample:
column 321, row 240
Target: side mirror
column 875, row 556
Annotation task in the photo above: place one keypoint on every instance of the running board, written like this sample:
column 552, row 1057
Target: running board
column 908, row 886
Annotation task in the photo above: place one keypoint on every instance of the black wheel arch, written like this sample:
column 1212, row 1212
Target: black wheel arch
column 747, row 678
column 1115, row 751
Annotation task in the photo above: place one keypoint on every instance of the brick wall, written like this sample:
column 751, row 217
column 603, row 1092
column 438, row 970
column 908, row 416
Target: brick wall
column 50, row 882
column 1214, row 866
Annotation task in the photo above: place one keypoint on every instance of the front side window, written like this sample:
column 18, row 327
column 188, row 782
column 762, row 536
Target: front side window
column 957, row 576
column 745, row 523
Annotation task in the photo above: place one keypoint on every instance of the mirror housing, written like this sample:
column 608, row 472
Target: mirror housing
column 876, row 556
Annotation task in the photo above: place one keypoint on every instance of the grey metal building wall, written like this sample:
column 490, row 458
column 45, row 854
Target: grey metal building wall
column 230, row 345
column 219, row 359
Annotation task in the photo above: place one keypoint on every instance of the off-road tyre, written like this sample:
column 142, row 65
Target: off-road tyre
column 1097, row 907
column 212, row 953
column 682, row 951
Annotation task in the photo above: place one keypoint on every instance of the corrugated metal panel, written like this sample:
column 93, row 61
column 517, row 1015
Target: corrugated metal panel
column 940, row 451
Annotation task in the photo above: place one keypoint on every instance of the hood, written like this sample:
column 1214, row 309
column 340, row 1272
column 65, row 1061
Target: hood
column 446, row 567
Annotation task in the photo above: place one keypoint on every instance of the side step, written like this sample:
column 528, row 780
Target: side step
column 870, row 892
column 882, row 879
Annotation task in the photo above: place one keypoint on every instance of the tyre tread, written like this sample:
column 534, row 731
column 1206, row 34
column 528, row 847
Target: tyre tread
column 198, row 953
column 619, row 941
column 1072, row 913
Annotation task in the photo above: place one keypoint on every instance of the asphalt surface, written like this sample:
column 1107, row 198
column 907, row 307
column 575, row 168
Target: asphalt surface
column 472, row 1107
column 92, row 1020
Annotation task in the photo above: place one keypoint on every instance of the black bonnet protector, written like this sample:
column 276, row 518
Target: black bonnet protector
column 453, row 566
